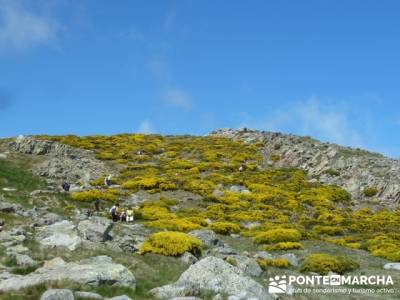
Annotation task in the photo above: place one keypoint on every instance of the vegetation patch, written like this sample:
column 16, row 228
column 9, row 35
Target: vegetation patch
column 171, row 243
column 322, row 263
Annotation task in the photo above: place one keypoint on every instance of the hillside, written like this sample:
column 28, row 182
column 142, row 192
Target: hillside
column 215, row 216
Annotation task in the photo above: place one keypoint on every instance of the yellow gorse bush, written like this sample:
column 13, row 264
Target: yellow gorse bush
column 278, row 235
column 171, row 243
column 322, row 263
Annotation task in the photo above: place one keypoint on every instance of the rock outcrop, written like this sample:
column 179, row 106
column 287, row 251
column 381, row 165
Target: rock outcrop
column 62, row 161
column 212, row 274
column 94, row 271
column 59, row 235
column 352, row 169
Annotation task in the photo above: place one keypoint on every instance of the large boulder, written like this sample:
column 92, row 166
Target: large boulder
column 57, row 294
column 95, row 229
column 214, row 275
column 61, row 234
column 248, row 265
column 93, row 271
column 207, row 237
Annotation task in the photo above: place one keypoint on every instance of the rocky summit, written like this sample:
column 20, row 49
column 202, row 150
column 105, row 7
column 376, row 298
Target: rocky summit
column 225, row 216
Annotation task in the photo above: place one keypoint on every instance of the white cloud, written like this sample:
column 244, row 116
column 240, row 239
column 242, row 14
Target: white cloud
column 327, row 121
column 146, row 127
column 179, row 98
column 21, row 29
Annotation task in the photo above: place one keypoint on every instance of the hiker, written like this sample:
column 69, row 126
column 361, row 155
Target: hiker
column 129, row 214
column 115, row 212
column 89, row 213
column 123, row 216
column 66, row 186
column 107, row 180
column 97, row 205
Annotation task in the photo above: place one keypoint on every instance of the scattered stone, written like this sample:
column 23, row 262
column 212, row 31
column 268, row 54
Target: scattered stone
column 263, row 255
column 188, row 258
column 3, row 156
column 23, row 260
column 61, row 234
column 248, row 265
column 8, row 189
column 291, row 258
column 392, row 266
column 185, row 298
column 88, row 295
column 122, row 297
column 94, row 271
column 12, row 237
column 95, row 229
column 207, row 237
column 57, row 294
column 48, row 219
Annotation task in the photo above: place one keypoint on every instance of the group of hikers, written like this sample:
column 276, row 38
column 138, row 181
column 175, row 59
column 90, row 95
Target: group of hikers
column 117, row 214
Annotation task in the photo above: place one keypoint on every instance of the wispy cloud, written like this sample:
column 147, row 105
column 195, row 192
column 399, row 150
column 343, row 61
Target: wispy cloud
column 21, row 29
column 327, row 121
column 146, row 127
column 179, row 98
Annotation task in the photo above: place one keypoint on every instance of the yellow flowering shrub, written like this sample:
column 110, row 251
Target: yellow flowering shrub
column 225, row 227
column 90, row 195
column 278, row 235
column 283, row 246
column 174, row 224
column 323, row 263
column 277, row 262
column 171, row 243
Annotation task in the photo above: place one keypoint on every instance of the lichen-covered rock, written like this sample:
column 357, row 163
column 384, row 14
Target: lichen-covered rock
column 215, row 275
column 207, row 237
column 95, row 229
column 61, row 235
column 57, row 294
column 93, row 271
column 248, row 265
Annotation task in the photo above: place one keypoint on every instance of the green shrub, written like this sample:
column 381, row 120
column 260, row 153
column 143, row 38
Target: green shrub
column 329, row 230
column 278, row 235
column 370, row 191
column 322, row 263
column 171, row 243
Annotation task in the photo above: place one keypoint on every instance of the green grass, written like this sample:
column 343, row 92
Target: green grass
column 15, row 175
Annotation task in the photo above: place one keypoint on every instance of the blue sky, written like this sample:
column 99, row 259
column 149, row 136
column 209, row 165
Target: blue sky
column 328, row 69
